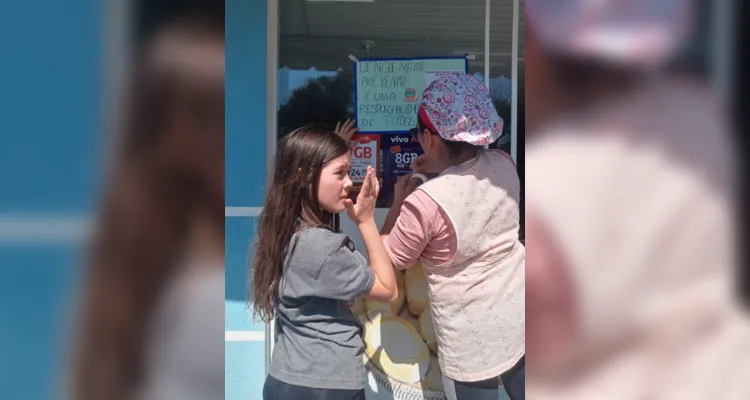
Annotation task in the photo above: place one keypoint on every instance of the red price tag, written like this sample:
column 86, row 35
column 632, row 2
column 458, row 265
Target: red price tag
column 364, row 154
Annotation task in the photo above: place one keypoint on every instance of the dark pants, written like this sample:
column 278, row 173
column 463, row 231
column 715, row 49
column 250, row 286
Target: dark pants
column 275, row 389
column 513, row 380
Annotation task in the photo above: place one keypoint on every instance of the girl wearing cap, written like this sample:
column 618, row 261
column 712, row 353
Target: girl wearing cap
column 629, row 224
column 463, row 226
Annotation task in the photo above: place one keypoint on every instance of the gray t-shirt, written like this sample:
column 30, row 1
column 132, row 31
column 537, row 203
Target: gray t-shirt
column 318, row 339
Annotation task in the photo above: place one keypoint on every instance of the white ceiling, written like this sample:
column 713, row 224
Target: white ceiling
column 323, row 33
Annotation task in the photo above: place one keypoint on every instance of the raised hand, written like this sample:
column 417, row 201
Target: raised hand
column 422, row 165
column 346, row 130
column 404, row 187
column 364, row 210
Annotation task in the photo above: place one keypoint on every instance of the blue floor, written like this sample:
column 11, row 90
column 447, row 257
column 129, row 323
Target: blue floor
column 244, row 370
column 244, row 361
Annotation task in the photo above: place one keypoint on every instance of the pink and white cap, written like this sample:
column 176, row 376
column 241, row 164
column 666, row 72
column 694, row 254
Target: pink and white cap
column 638, row 33
column 458, row 107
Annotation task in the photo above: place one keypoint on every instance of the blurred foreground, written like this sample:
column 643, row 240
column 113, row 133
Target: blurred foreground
column 111, row 201
column 631, row 205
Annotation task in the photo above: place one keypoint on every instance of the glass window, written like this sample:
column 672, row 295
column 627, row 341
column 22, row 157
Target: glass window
column 316, row 76
column 316, row 39
column 316, row 73
column 501, row 79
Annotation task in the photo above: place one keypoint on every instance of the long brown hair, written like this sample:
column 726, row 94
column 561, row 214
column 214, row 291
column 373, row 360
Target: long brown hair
column 291, row 205
column 169, row 171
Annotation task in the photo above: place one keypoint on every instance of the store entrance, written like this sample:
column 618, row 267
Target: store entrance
column 324, row 46
column 319, row 41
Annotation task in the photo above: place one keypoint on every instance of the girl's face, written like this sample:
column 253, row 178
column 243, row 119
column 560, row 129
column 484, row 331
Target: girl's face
column 334, row 185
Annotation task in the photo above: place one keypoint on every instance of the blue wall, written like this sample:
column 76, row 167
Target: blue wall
column 51, row 123
column 50, row 104
column 50, row 120
column 245, row 179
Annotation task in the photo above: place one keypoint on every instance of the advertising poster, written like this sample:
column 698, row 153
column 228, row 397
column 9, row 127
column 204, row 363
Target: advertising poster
column 365, row 152
column 387, row 95
column 399, row 150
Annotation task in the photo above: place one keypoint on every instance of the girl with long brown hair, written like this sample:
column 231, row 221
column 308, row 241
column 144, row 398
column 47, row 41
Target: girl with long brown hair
column 153, row 301
column 304, row 273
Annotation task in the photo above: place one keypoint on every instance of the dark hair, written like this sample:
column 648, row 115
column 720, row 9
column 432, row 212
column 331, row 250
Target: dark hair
column 291, row 205
column 455, row 149
column 169, row 169
column 577, row 73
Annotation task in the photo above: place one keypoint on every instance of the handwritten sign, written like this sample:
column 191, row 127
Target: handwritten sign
column 389, row 91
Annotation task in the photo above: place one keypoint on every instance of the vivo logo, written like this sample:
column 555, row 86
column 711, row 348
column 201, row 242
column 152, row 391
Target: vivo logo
column 400, row 140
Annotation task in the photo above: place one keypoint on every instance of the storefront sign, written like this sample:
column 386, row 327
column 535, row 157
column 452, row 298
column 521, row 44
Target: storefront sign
column 388, row 91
